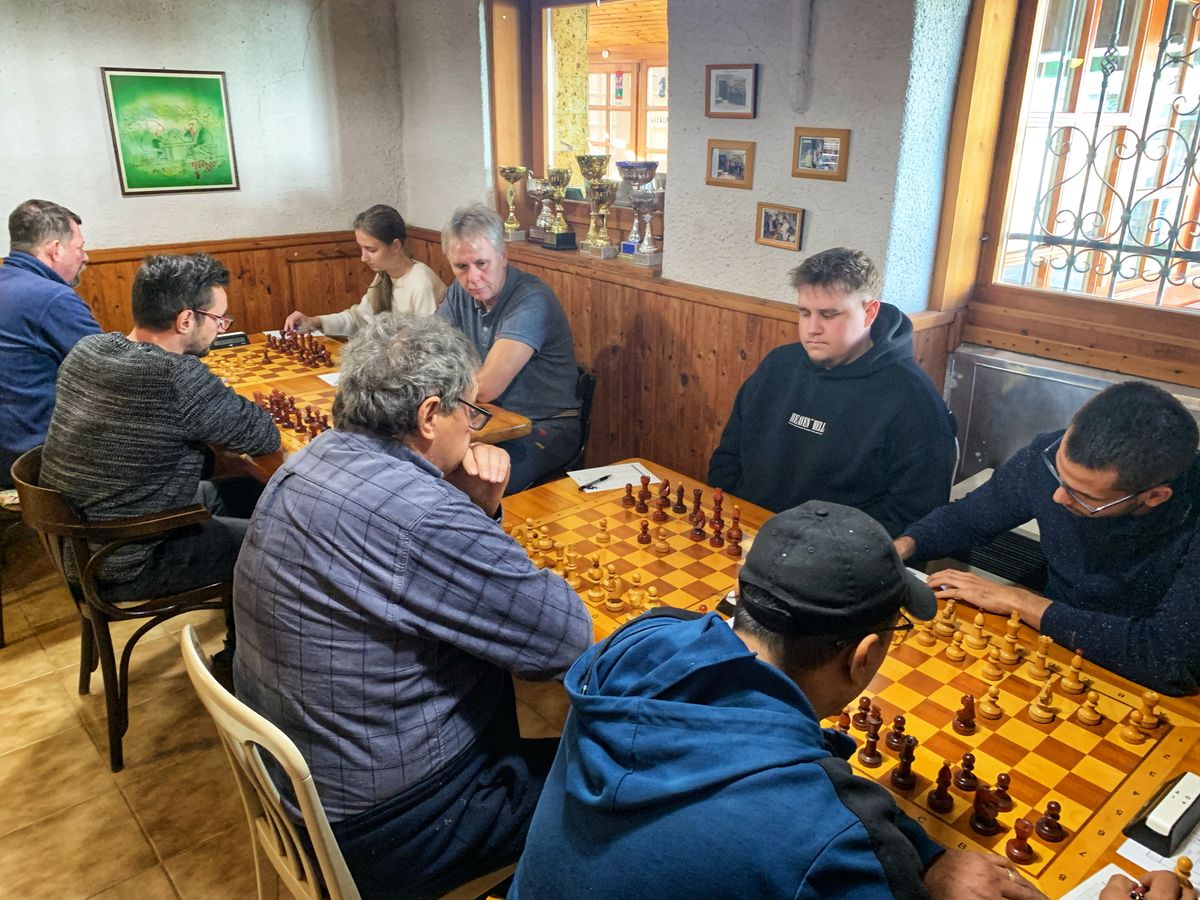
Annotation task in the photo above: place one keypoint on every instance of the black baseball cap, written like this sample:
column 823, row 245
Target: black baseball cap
column 827, row 569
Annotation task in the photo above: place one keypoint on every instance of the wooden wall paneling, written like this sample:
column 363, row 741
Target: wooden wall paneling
column 325, row 278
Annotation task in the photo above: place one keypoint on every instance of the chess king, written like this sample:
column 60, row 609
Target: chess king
column 736, row 740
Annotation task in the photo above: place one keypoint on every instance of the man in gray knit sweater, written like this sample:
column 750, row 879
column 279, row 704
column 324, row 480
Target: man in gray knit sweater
column 133, row 417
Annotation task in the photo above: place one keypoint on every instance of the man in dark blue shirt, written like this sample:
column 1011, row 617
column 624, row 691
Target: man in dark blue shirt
column 1117, row 500
column 41, row 319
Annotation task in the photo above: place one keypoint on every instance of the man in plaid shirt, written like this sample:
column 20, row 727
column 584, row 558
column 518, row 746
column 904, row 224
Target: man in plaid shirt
column 381, row 609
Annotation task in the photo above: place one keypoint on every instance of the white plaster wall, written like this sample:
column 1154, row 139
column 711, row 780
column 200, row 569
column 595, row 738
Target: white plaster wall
column 447, row 122
column 859, row 70
column 313, row 88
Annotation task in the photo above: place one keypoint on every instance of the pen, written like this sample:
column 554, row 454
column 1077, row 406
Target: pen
column 592, row 484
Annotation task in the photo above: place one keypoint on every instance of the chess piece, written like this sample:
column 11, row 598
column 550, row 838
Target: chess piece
column 628, row 500
column 926, row 636
column 989, row 707
column 734, row 533
column 661, row 547
column 843, row 722
column 570, row 569
column 903, row 778
column 965, row 778
column 1088, row 714
column 644, row 491
column 1048, row 827
column 644, row 535
column 697, row 533
column 697, row 512
column 1183, row 871
column 945, row 624
column 1130, row 733
column 991, row 665
column 641, row 507
column 716, row 540
column 1017, row 849
column 718, row 499
column 964, row 719
column 662, row 503
column 875, row 719
column 869, row 754
column 1039, row 669
column 984, row 812
column 680, row 507
column 1003, row 799
column 977, row 640
column 1042, row 710
column 1071, row 683
column 940, row 799
column 652, row 597
column 266, row 357
column 859, row 719
column 595, row 577
column 1149, row 718
column 1010, row 654
column 635, row 596
column 895, row 739
column 545, row 542
column 733, row 548
column 602, row 536
column 955, row 652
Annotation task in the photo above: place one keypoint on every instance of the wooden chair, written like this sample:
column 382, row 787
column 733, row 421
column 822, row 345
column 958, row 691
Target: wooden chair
column 585, row 391
column 58, row 526
column 278, row 843
column 10, row 522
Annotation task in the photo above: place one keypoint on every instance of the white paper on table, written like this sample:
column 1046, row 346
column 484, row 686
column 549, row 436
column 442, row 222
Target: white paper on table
column 277, row 333
column 1090, row 889
column 618, row 476
column 1149, row 860
column 331, row 377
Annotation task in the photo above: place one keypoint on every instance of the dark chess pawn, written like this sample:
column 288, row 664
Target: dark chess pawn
column 843, row 722
column 895, row 738
column 983, row 815
column 628, row 500
column 903, row 778
column 641, row 506
column 965, row 778
column 716, row 540
column 869, row 755
column 859, row 720
column 964, row 719
column 644, row 535
column 1017, row 849
column 680, row 507
column 735, row 526
column 644, row 493
column 1003, row 780
column 697, row 533
column 266, row 357
column 940, row 799
column 1048, row 827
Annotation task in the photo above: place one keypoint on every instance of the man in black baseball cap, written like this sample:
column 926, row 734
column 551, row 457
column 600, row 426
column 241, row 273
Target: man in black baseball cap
column 682, row 728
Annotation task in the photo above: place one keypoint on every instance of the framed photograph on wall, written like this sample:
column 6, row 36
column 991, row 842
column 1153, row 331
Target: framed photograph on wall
column 170, row 130
column 821, row 153
column 730, row 163
column 779, row 226
column 731, row 92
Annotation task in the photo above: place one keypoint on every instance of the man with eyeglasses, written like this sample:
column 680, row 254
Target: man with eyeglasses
column 382, row 611
column 1117, row 500
column 682, row 728
column 131, row 426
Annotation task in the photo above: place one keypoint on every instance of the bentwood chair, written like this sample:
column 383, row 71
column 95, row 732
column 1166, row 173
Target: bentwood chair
column 59, row 527
column 278, row 842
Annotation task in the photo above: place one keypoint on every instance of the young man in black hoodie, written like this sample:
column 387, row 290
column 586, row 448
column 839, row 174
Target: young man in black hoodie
column 844, row 415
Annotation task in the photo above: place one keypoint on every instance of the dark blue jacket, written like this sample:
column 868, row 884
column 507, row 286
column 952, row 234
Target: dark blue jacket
column 689, row 768
column 1126, row 589
column 873, row 434
column 41, row 319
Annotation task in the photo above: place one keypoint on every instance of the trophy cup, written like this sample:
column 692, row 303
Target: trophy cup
column 592, row 166
column 512, row 225
column 559, row 235
column 538, row 190
column 635, row 173
column 601, row 193
column 646, row 202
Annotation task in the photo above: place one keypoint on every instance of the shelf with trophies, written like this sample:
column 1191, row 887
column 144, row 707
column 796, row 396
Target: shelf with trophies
column 646, row 200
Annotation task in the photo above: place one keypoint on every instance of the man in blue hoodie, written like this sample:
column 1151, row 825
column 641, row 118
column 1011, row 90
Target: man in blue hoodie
column 693, row 762
column 845, row 415
column 41, row 319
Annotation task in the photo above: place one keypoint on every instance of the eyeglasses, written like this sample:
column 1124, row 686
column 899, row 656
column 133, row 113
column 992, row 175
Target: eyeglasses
column 900, row 629
column 223, row 322
column 477, row 416
column 1048, row 456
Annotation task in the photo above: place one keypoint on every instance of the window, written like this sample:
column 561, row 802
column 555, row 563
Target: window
column 1103, row 193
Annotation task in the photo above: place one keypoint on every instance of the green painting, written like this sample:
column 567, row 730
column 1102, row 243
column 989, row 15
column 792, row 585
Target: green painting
column 170, row 130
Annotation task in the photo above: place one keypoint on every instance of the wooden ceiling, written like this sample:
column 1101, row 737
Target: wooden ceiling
column 626, row 23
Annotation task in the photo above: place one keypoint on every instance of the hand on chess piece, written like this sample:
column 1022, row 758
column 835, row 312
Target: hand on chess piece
column 988, row 595
column 482, row 475
column 301, row 323
column 1160, row 885
column 962, row 874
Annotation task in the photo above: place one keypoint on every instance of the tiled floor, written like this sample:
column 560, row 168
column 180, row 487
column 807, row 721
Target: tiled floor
column 170, row 825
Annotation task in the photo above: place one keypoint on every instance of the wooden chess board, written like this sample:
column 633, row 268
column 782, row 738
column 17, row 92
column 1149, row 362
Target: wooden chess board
column 309, row 390
column 692, row 575
column 1100, row 780
column 238, row 366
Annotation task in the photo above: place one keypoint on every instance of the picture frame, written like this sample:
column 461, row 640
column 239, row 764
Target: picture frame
column 779, row 226
column 171, row 130
column 731, row 91
column 821, row 153
column 730, row 163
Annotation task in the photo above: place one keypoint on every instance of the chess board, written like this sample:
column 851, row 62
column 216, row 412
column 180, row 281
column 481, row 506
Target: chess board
column 244, row 365
column 308, row 391
column 692, row 575
column 1100, row 780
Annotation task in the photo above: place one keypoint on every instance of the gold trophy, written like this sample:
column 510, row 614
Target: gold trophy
column 592, row 166
column 602, row 193
column 559, row 235
column 512, row 225
column 635, row 173
column 538, row 190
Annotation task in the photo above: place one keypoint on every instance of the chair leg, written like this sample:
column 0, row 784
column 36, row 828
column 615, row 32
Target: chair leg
column 88, row 658
column 113, row 693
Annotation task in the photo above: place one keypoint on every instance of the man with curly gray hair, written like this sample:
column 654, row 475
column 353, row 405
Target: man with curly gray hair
column 845, row 415
column 382, row 611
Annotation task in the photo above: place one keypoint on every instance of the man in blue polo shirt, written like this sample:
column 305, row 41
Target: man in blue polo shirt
column 521, row 333
column 41, row 319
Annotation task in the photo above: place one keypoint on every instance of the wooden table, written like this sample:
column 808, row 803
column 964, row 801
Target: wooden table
column 1101, row 781
column 249, row 375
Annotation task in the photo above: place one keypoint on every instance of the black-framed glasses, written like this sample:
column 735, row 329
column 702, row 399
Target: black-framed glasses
column 477, row 416
column 223, row 322
column 901, row 629
column 1048, row 456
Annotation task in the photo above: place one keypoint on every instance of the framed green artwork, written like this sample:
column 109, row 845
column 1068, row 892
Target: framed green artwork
column 170, row 130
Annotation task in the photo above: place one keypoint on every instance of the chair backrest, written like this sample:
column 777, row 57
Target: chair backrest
column 44, row 510
column 245, row 733
column 585, row 390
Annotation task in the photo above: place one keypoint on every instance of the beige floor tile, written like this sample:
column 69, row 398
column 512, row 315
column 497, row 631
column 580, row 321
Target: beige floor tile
column 61, row 640
column 156, row 668
column 152, row 884
column 22, row 659
column 175, row 819
column 75, row 853
column 51, row 775
column 221, row 868
column 33, row 710
column 46, row 603
column 16, row 626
